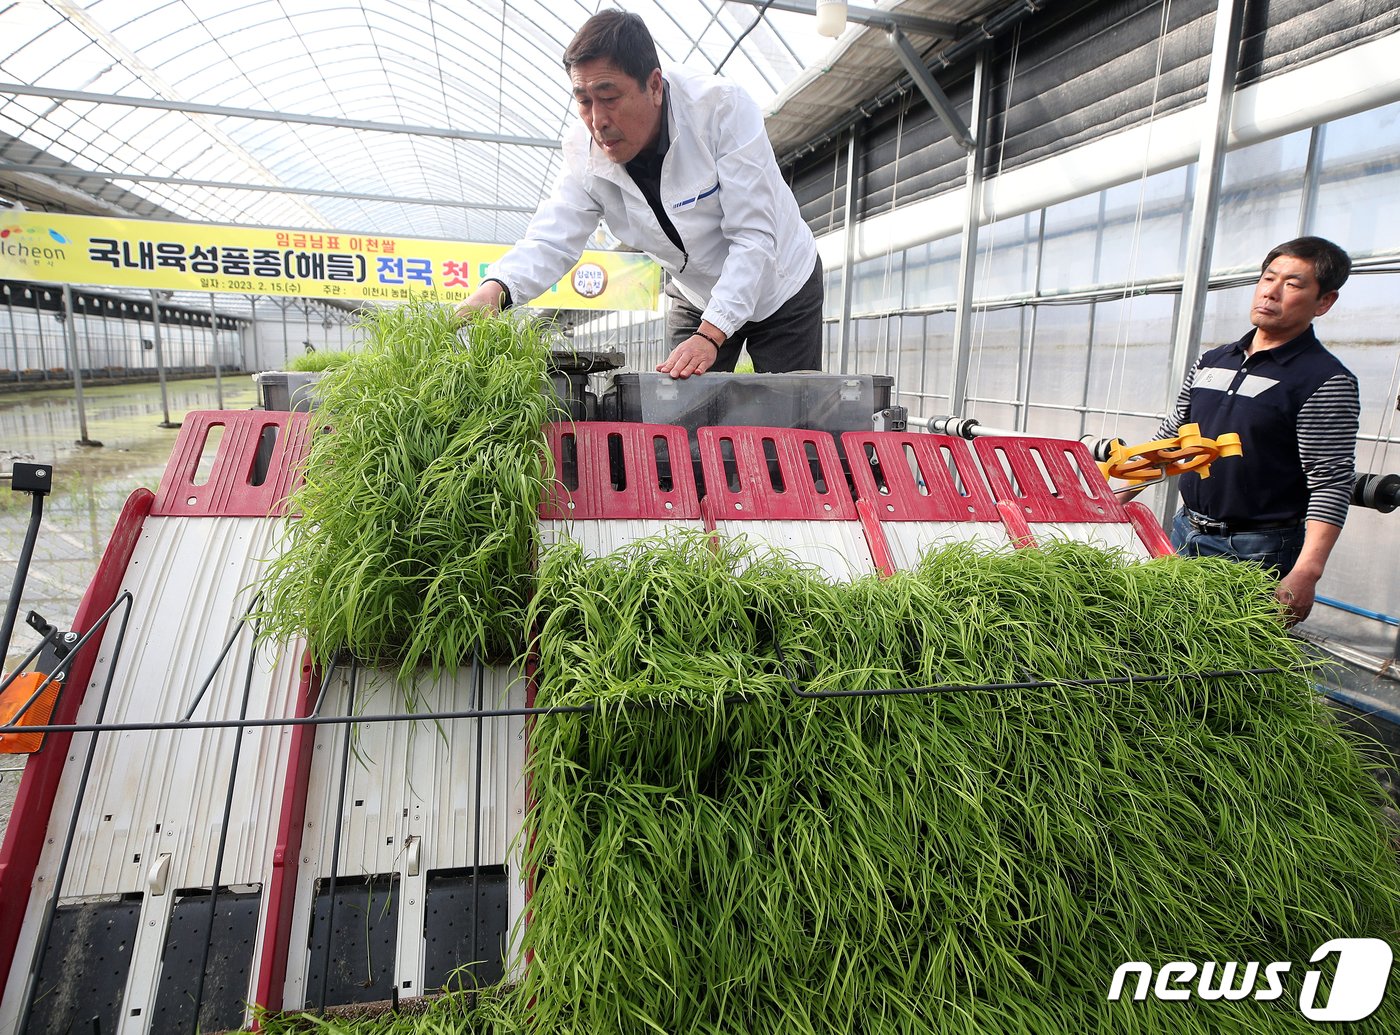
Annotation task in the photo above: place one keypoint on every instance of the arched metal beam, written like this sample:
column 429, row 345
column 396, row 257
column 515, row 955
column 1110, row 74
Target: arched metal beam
column 192, row 107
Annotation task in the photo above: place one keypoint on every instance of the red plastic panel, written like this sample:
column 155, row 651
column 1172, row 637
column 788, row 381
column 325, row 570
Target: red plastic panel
column 1149, row 530
column 29, row 820
column 612, row 471
column 281, row 885
column 875, row 537
column 235, row 487
column 782, row 474
column 1050, row 479
column 912, row 477
column 1018, row 530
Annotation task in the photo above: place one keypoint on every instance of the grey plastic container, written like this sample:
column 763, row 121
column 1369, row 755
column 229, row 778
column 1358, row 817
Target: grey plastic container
column 287, row 390
column 815, row 401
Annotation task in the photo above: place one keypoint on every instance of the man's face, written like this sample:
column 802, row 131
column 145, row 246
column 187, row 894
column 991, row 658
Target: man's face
column 623, row 117
column 1287, row 298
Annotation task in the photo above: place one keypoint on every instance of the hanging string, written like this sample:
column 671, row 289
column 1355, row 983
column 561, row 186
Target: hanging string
column 1117, row 373
column 1383, row 434
column 980, row 319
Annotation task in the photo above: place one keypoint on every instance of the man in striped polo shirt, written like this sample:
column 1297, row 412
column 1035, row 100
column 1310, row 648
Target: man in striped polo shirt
column 1296, row 409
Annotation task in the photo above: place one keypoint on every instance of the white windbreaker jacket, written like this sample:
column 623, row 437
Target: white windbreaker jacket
column 747, row 249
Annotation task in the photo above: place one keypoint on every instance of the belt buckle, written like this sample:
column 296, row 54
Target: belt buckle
column 1208, row 527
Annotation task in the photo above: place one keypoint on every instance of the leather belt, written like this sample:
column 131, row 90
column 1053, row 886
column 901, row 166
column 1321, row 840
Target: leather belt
column 1209, row 526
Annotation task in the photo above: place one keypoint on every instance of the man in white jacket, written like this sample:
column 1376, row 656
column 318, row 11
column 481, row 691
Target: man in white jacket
column 680, row 167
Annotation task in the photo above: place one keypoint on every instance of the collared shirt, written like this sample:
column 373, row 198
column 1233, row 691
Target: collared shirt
column 747, row 248
column 645, row 170
column 1296, row 409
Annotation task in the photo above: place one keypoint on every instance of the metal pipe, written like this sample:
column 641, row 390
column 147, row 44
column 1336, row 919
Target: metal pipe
column 970, row 428
column 214, row 350
column 26, row 554
column 335, row 840
column 480, row 680
column 1219, row 105
column 71, row 334
column 223, row 111
column 14, row 336
column 128, row 177
column 51, row 905
column 218, row 662
column 972, row 219
column 223, row 835
column 1307, row 211
column 1342, row 605
column 39, row 326
column 160, row 362
column 253, row 326
column 843, row 337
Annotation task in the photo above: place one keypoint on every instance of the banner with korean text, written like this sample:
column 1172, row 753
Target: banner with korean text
column 51, row 248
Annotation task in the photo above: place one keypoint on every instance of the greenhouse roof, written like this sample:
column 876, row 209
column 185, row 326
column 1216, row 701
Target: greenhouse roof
column 401, row 117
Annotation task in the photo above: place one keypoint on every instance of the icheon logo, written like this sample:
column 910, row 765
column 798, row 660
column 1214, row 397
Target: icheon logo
column 1357, row 986
column 15, row 231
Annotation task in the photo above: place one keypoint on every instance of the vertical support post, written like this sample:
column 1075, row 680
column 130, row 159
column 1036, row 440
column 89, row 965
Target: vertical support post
column 843, row 334
column 76, row 364
column 1027, row 364
column 214, row 351
column 166, row 422
column 972, row 217
column 1307, row 211
column 286, row 348
column 14, row 335
column 253, row 327
column 1217, row 112
column 39, row 326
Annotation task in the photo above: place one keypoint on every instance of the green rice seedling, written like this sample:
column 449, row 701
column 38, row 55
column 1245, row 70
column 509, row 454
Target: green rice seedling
column 457, row 1013
column 714, row 852
column 418, row 511
column 316, row 362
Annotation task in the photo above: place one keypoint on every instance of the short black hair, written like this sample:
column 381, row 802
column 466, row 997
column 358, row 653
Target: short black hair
column 1331, row 265
column 620, row 37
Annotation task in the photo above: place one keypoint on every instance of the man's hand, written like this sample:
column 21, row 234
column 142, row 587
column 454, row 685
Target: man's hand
column 695, row 355
column 1298, row 589
column 487, row 297
column 1297, row 592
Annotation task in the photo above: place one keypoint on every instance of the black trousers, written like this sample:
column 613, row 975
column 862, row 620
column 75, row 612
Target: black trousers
column 790, row 339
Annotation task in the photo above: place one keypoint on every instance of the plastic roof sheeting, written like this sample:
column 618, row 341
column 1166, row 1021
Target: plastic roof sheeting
column 485, row 68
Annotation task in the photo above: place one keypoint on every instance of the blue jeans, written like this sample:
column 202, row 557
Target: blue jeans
column 1276, row 548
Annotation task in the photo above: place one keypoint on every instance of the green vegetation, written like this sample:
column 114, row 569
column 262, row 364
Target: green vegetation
column 712, row 852
column 315, row 362
column 736, row 858
column 419, row 504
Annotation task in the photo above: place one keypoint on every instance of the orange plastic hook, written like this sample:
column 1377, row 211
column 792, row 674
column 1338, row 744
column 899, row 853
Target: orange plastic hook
column 1189, row 451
